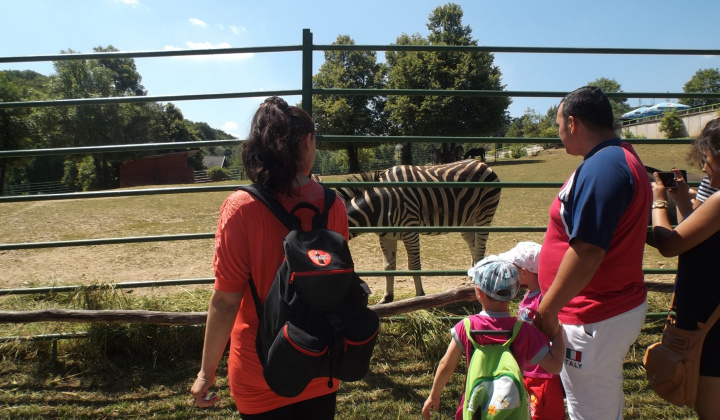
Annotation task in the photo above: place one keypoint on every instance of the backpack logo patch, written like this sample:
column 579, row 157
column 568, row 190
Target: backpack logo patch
column 319, row 257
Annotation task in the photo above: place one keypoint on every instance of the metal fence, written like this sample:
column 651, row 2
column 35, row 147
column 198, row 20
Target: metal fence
column 306, row 49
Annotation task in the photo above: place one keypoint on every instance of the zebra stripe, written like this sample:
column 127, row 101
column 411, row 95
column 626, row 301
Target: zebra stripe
column 413, row 207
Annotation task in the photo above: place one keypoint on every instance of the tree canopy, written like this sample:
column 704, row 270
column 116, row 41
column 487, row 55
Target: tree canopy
column 16, row 125
column 87, row 125
column 619, row 105
column 349, row 115
column 703, row 81
column 446, row 70
column 533, row 125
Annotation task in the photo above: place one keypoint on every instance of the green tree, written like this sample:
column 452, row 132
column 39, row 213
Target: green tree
column 672, row 125
column 353, row 114
column 619, row 104
column 703, row 81
column 531, row 124
column 444, row 115
column 16, row 126
column 94, row 125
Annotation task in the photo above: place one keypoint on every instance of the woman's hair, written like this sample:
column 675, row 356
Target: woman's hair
column 271, row 152
column 707, row 142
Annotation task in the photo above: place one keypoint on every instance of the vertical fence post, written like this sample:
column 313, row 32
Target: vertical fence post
column 307, row 53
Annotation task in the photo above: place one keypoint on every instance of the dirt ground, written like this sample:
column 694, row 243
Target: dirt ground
column 192, row 259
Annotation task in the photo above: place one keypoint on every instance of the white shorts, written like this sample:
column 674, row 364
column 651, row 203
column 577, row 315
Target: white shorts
column 593, row 370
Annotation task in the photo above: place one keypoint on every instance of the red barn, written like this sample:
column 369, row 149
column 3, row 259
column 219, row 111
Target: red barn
column 171, row 168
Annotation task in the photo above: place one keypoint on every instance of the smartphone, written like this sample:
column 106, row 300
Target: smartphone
column 668, row 178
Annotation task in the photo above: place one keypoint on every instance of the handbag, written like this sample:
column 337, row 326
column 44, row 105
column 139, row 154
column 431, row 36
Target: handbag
column 673, row 364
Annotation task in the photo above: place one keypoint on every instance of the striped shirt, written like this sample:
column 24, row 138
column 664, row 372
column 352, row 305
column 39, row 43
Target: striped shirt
column 704, row 191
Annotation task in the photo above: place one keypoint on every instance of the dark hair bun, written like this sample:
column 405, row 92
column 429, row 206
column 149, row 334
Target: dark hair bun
column 278, row 102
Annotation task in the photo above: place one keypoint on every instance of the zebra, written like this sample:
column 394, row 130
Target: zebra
column 412, row 206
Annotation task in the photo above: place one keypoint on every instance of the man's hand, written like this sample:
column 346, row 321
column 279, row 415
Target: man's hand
column 547, row 323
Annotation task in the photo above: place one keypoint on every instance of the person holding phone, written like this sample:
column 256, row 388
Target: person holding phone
column 696, row 242
column 590, row 268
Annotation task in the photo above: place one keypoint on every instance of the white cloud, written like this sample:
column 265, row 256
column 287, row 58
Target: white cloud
column 237, row 29
column 230, row 127
column 197, row 22
column 206, row 45
column 133, row 3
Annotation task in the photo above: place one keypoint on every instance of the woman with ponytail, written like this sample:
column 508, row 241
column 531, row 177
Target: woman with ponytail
column 278, row 157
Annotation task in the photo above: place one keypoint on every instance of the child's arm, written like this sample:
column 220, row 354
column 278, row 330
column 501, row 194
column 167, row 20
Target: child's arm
column 444, row 371
column 553, row 360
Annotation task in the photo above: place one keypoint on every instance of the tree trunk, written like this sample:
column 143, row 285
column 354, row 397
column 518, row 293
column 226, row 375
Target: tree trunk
column 3, row 170
column 406, row 154
column 353, row 159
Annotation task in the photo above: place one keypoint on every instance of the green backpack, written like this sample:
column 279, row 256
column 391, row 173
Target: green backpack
column 494, row 387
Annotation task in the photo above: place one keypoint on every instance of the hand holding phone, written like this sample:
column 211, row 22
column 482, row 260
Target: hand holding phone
column 669, row 178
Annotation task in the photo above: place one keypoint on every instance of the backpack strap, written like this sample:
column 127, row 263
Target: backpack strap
column 470, row 332
column 292, row 222
column 256, row 297
column 320, row 220
column 289, row 220
column 711, row 320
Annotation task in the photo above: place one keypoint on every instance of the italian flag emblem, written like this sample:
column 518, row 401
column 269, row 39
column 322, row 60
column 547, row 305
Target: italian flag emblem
column 573, row 355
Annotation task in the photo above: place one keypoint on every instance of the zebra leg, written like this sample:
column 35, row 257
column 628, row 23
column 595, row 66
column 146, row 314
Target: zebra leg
column 469, row 238
column 412, row 245
column 476, row 243
column 389, row 250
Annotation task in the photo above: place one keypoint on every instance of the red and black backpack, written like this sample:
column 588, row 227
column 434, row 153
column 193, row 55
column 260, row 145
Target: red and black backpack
column 314, row 321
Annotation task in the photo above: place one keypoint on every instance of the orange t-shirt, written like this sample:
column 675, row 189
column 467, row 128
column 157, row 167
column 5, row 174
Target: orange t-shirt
column 249, row 240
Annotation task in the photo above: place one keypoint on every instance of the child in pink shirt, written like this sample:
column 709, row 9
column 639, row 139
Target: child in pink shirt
column 545, row 389
column 496, row 283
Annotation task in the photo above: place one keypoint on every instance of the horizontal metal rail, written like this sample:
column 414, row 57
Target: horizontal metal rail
column 143, row 99
column 118, row 148
column 501, row 49
column 233, row 187
column 211, row 280
column 195, row 236
column 123, row 148
column 148, row 54
column 353, row 47
column 359, row 92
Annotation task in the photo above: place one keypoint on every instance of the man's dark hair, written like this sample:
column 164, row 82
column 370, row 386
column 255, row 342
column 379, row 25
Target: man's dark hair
column 590, row 105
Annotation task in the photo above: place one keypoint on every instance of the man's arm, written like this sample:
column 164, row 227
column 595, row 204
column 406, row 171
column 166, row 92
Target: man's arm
column 577, row 268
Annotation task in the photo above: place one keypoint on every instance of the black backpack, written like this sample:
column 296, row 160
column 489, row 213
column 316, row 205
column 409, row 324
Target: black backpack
column 315, row 321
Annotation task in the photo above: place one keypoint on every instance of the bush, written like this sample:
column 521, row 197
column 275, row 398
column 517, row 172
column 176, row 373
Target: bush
column 672, row 125
column 80, row 174
column 217, row 173
column 627, row 134
column 517, row 151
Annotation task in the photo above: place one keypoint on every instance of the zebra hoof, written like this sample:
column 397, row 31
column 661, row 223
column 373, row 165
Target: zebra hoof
column 387, row 299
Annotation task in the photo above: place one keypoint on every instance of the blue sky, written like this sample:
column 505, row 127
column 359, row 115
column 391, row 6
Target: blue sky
column 40, row 27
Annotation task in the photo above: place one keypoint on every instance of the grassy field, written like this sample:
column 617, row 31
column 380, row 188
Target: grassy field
column 134, row 371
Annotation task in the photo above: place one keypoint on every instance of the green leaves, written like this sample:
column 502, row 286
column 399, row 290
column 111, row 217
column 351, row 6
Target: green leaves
column 703, row 81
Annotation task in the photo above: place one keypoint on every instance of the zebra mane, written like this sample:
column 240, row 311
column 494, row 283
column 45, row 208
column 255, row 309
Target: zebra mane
column 348, row 193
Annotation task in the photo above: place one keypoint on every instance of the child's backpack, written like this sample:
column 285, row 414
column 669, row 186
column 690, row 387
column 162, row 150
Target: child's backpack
column 315, row 321
column 494, row 387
